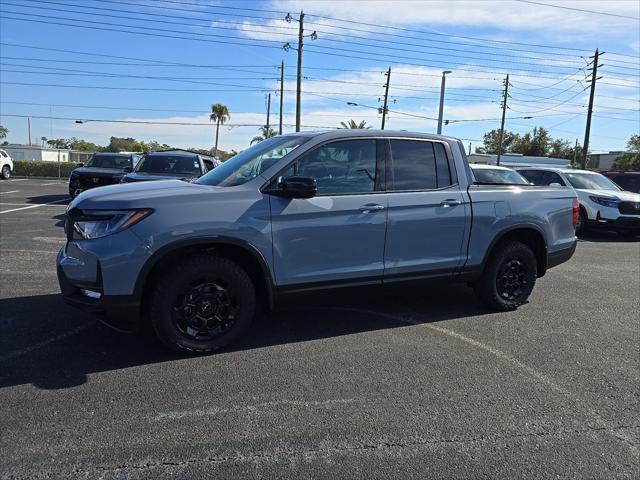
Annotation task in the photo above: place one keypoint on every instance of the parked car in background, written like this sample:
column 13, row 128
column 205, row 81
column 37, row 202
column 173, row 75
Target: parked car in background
column 302, row 212
column 182, row 165
column 102, row 169
column 6, row 165
column 602, row 202
column 496, row 175
column 629, row 181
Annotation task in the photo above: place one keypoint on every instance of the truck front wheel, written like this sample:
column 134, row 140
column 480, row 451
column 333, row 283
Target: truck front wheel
column 508, row 277
column 201, row 304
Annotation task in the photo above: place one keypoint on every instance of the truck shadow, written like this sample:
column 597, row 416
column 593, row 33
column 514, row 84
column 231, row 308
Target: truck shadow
column 62, row 199
column 45, row 343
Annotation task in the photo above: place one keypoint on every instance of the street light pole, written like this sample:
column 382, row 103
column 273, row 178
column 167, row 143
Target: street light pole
column 441, row 110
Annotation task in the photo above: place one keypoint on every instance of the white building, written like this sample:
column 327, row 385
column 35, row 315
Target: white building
column 45, row 154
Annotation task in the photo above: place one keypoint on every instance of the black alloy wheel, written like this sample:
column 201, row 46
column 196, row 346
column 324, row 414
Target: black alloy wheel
column 207, row 309
column 512, row 279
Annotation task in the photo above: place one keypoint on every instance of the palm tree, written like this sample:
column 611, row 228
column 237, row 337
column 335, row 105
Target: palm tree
column 219, row 114
column 266, row 133
column 44, row 139
column 353, row 125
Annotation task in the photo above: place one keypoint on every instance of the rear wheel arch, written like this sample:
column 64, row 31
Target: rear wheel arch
column 530, row 236
column 243, row 253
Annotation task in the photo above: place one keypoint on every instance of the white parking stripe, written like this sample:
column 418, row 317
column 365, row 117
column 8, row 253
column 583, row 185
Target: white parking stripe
column 33, row 206
column 12, row 191
column 17, row 180
column 9, row 204
column 46, row 342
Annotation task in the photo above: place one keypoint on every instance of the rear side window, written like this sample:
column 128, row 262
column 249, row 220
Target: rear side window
column 419, row 165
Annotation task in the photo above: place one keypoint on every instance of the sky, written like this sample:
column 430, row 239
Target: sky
column 109, row 62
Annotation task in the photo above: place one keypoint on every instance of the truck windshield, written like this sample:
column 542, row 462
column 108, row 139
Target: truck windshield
column 110, row 161
column 252, row 162
column 497, row 176
column 170, row 164
column 591, row 181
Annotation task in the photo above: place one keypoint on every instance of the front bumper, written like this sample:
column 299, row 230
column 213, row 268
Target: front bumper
column 626, row 223
column 121, row 312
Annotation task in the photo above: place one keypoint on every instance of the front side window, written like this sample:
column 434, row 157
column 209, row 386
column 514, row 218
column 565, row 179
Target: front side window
column 250, row 163
column 169, row 164
column 340, row 168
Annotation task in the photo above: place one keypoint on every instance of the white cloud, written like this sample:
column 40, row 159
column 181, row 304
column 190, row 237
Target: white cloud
column 503, row 15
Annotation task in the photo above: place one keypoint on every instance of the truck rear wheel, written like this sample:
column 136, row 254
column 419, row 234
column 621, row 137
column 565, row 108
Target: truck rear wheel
column 6, row 172
column 201, row 304
column 508, row 277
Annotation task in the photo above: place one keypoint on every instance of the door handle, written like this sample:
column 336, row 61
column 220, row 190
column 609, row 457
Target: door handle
column 370, row 207
column 450, row 202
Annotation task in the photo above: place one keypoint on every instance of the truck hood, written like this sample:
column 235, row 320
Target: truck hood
column 621, row 195
column 95, row 171
column 139, row 195
column 145, row 176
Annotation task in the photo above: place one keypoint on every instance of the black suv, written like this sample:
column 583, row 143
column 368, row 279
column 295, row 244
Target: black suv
column 167, row 165
column 101, row 169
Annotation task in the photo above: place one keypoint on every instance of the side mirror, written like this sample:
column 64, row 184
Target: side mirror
column 298, row 187
column 555, row 184
column 127, row 169
column 80, row 164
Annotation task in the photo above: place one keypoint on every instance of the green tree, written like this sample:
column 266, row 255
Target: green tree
column 535, row 144
column 631, row 159
column 121, row 144
column 44, row 140
column 83, row 146
column 58, row 143
column 351, row 124
column 4, row 131
column 266, row 133
column 491, row 141
column 219, row 114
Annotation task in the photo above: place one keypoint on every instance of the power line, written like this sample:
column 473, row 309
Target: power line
column 150, row 122
column 626, row 17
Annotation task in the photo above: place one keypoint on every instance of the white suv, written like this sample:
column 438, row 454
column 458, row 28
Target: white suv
column 6, row 165
column 602, row 202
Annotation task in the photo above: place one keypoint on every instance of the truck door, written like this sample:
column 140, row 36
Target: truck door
column 338, row 235
column 427, row 211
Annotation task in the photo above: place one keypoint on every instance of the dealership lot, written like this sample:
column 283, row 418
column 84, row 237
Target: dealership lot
column 401, row 383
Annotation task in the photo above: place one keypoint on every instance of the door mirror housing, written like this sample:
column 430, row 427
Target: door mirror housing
column 80, row 164
column 127, row 169
column 555, row 184
column 297, row 187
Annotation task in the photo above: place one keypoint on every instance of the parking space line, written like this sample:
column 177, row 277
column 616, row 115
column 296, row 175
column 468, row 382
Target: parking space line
column 514, row 362
column 44, row 343
column 18, row 179
column 33, row 206
column 12, row 191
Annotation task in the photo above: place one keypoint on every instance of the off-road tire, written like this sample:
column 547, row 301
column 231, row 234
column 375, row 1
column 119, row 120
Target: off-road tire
column 180, row 276
column 492, row 287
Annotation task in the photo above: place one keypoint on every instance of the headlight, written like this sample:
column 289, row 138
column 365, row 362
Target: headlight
column 89, row 224
column 606, row 202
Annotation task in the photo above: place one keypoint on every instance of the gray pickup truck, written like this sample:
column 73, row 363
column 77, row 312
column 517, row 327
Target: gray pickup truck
column 299, row 213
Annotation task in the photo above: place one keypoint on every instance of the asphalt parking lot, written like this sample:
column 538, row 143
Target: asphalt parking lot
column 409, row 383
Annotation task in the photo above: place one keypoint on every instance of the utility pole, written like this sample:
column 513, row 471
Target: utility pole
column 504, row 112
column 469, row 148
column 386, row 98
column 29, row 129
column 587, row 131
column 281, row 95
column 299, row 79
column 575, row 154
column 266, row 133
column 440, row 111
